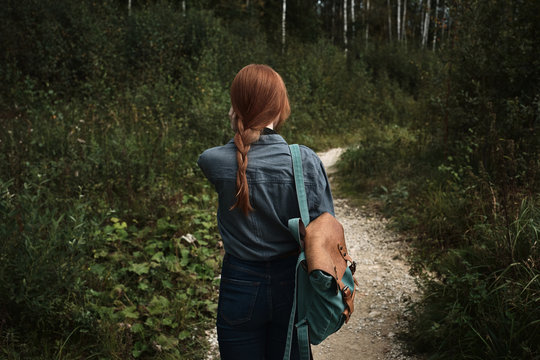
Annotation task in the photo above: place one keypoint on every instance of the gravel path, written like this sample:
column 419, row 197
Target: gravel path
column 384, row 287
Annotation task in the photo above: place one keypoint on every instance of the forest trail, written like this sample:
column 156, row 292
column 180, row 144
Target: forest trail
column 384, row 287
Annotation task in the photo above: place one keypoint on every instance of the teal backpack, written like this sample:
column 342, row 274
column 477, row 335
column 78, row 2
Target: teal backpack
column 325, row 287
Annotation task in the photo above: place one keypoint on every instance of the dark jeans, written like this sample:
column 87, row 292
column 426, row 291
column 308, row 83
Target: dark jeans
column 255, row 300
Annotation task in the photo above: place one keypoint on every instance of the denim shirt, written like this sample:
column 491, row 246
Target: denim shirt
column 263, row 234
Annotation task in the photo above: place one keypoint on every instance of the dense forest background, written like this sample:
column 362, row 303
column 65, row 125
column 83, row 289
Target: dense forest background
column 108, row 241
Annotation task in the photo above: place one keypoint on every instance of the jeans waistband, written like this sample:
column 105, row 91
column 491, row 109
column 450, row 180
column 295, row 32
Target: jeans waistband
column 275, row 265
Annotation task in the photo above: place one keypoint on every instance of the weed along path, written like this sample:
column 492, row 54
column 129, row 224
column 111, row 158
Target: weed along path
column 384, row 287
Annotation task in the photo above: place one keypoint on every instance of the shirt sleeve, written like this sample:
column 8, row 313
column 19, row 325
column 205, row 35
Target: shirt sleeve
column 326, row 202
column 323, row 194
column 319, row 192
column 203, row 165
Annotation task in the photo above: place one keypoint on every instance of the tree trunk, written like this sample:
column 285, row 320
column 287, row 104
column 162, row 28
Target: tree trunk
column 398, row 20
column 443, row 20
column 422, row 12
column 403, row 26
column 436, row 25
column 352, row 18
column 389, row 20
column 129, row 7
column 345, row 24
column 366, row 12
column 184, row 7
column 426, row 24
column 283, row 25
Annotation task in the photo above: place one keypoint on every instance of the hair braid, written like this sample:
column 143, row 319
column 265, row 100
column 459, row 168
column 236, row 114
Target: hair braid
column 243, row 140
column 258, row 98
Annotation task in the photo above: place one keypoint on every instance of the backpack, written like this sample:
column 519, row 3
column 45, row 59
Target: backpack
column 325, row 286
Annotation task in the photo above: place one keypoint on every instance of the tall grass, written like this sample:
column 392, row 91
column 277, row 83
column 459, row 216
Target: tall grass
column 486, row 305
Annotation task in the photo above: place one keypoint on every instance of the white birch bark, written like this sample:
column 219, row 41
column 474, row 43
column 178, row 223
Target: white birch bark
column 129, row 7
column 426, row 24
column 283, row 25
column 366, row 12
column 398, row 20
column 352, row 18
column 183, row 7
column 345, row 24
column 436, row 25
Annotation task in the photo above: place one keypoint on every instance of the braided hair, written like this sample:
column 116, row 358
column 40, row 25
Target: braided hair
column 259, row 98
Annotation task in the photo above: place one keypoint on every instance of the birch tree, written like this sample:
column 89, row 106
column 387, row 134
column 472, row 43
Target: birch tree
column 345, row 24
column 366, row 13
column 283, row 25
column 352, row 18
column 426, row 24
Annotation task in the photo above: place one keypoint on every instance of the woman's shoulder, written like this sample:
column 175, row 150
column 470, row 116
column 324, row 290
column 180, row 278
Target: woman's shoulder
column 309, row 156
column 313, row 167
column 217, row 151
column 218, row 154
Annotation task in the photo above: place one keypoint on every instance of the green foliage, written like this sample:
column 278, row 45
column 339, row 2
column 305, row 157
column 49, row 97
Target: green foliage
column 486, row 303
column 99, row 181
column 462, row 181
column 109, row 244
column 93, row 285
column 111, row 247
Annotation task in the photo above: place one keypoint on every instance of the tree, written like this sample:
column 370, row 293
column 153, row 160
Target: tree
column 403, row 28
column 283, row 25
column 398, row 20
column 353, row 18
column 426, row 24
column 435, row 23
column 345, row 24
column 366, row 13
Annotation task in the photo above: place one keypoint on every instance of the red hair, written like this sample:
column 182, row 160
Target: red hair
column 259, row 98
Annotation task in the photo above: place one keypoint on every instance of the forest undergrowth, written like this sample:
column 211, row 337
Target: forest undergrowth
column 108, row 240
column 460, row 179
column 109, row 246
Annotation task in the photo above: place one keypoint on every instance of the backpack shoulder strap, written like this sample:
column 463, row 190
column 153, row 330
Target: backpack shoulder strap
column 301, row 290
column 299, row 183
column 300, row 277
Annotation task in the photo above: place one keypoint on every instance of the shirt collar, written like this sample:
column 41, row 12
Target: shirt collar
column 272, row 138
column 268, row 131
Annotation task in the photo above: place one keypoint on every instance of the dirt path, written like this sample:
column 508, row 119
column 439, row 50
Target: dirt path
column 385, row 287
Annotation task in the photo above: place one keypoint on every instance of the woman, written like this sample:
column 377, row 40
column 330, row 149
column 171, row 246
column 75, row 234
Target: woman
column 253, row 177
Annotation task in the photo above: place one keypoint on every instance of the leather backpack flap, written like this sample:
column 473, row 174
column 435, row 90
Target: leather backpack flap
column 325, row 247
column 325, row 250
